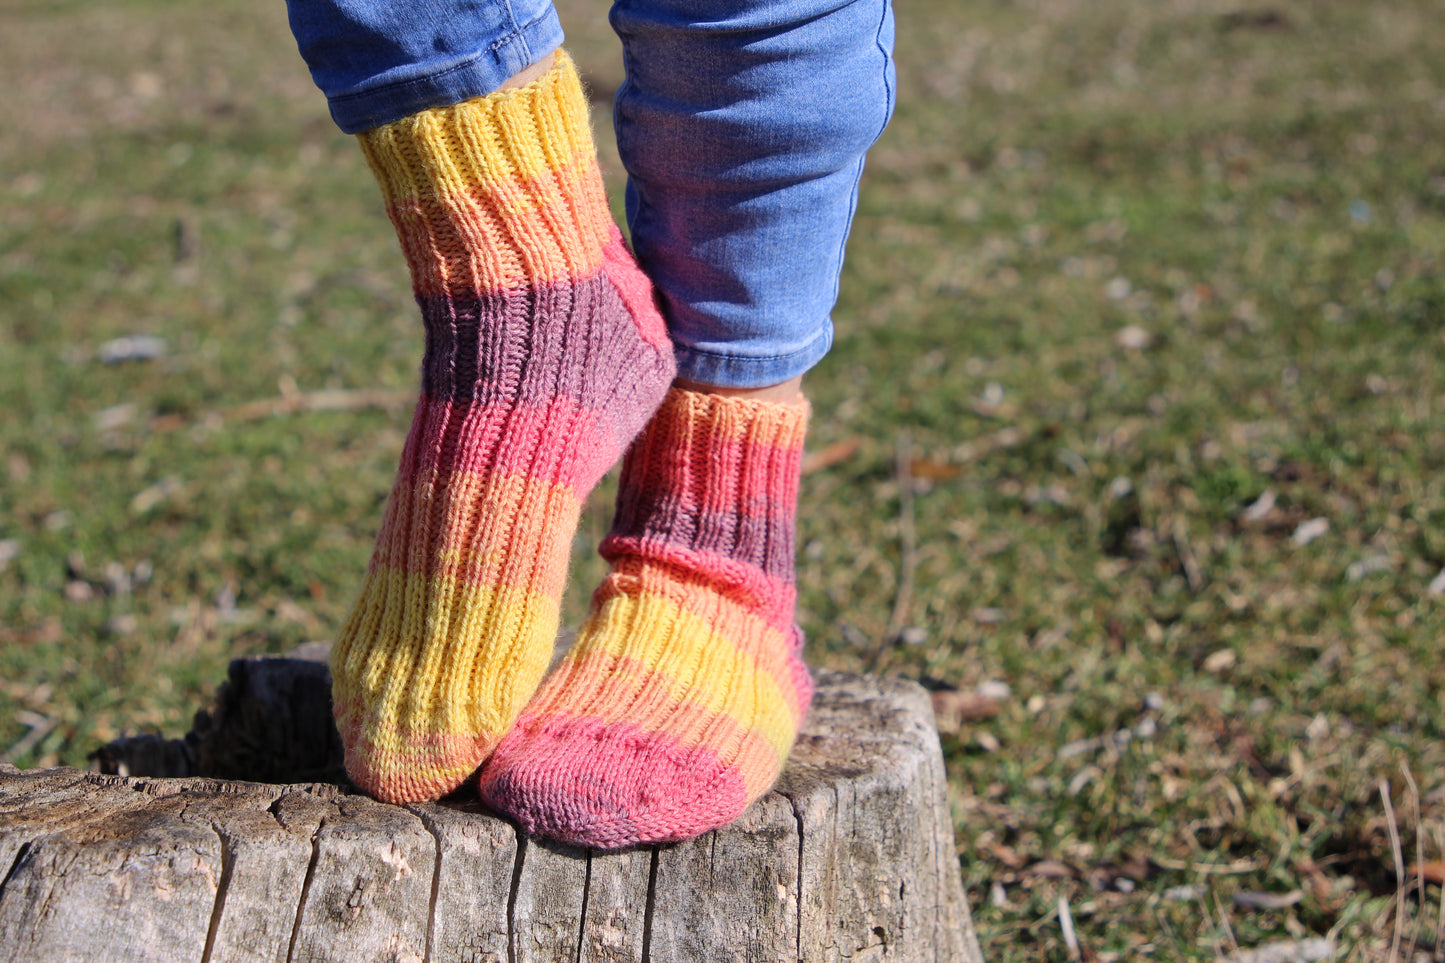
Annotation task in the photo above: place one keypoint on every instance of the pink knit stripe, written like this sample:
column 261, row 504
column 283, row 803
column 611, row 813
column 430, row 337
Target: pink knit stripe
column 608, row 785
column 800, row 680
column 529, row 550
column 734, row 501
column 556, row 441
column 636, row 291
column 688, row 576
column 744, row 476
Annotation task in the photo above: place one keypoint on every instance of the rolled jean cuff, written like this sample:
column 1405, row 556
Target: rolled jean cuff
column 378, row 61
column 721, row 369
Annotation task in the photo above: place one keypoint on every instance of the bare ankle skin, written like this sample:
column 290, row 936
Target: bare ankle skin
column 534, row 72
column 785, row 393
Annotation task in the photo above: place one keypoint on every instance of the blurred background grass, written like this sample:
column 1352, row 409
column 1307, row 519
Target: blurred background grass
column 1129, row 448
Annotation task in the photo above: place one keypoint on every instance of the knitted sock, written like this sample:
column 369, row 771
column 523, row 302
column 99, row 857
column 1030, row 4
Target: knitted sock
column 544, row 356
column 680, row 700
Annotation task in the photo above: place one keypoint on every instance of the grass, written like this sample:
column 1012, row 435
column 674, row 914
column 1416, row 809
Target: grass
column 1139, row 290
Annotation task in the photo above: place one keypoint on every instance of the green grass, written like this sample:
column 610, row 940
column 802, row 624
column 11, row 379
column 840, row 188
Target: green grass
column 1259, row 192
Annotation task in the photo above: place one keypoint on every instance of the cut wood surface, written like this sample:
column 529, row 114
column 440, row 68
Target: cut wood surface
column 851, row 857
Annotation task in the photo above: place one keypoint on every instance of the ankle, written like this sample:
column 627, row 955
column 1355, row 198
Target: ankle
column 526, row 76
column 788, row 392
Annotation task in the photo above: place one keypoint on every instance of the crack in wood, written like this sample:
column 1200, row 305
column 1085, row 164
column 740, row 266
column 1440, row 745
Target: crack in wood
column 223, row 885
column 582, row 916
column 305, row 890
column 436, row 882
column 798, row 895
column 512, row 898
column 21, row 855
column 221, row 888
column 649, row 906
column 274, row 811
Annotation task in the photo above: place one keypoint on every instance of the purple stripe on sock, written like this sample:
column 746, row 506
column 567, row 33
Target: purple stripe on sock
column 764, row 539
column 528, row 330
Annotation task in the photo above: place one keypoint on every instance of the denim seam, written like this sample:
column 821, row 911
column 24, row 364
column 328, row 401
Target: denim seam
column 431, row 79
column 858, row 176
column 428, row 81
column 847, row 230
column 517, row 34
column 887, row 59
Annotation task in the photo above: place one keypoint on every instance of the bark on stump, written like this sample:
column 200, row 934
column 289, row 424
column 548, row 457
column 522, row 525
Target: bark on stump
column 850, row 858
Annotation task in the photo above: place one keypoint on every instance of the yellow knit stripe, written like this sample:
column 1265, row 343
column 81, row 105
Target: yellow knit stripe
column 691, row 659
column 616, row 690
column 539, row 132
column 766, row 646
column 444, row 655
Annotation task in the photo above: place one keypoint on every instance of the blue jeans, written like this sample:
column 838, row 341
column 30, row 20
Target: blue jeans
column 742, row 125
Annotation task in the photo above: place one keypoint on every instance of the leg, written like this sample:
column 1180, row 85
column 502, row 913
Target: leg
column 743, row 126
column 784, row 392
column 545, row 355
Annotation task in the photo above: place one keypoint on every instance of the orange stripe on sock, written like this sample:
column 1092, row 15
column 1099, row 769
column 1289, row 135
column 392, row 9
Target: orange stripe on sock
column 495, row 530
column 495, row 193
column 475, row 244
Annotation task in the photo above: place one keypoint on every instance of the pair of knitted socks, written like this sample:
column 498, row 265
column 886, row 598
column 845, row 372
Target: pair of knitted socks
column 545, row 358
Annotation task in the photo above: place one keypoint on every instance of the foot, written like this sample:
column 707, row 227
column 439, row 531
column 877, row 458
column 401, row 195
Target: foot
column 680, row 700
column 545, row 355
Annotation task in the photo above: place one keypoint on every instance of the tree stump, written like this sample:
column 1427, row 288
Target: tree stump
column 851, row 857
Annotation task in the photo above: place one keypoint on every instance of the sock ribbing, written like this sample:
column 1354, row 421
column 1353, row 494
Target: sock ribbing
column 544, row 356
column 680, row 701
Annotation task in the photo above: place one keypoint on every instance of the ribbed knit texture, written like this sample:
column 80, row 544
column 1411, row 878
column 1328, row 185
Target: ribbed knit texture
column 681, row 698
column 544, row 356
